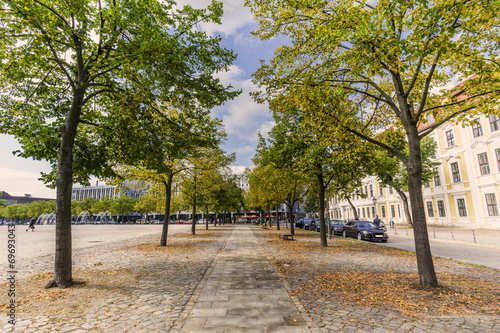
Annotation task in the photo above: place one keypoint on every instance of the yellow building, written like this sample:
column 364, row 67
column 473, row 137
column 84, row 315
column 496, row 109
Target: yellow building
column 465, row 190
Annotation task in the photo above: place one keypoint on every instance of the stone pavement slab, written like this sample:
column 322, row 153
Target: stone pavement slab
column 241, row 293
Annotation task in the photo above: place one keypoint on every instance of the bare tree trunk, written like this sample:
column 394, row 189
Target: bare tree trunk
column 406, row 207
column 168, row 198
column 277, row 219
column 63, row 264
column 193, row 222
column 292, row 218
column 352, row 206
column 206, row 219
column 322, row 227
column 422, row 247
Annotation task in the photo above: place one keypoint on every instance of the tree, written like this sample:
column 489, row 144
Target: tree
column 123, row 205
column 366, row 67
column 68, row 67
column 391, row 172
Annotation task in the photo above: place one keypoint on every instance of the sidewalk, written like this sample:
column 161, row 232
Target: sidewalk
column 479, row 237
column 241, row 292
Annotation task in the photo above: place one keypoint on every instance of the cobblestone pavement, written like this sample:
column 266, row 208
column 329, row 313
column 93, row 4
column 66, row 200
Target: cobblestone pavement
column 330, row 315
column 150, row 305
column 215, row 289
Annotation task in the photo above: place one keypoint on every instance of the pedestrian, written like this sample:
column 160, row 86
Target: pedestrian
column 376, row 221
column 31, row 225
column 356, row 218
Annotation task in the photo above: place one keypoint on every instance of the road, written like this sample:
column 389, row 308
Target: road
column 473, row 254
column 41, row 241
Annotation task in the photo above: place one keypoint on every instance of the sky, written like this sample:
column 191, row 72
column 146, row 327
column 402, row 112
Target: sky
column 242, row 117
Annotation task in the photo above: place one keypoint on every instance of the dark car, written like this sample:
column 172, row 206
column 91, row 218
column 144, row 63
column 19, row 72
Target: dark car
column 336, row 227
column 308, row 222
column 299, row 223
column 364, row 230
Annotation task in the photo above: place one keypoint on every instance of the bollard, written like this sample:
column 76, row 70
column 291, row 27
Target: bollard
column 434, row 229
column 451, row 231
column 474, row 235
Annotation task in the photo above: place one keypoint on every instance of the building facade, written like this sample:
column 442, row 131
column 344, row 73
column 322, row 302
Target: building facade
column 465, row 190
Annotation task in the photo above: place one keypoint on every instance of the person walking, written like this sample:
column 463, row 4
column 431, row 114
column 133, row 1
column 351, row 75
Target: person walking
column 376, row 221
column 31, row 225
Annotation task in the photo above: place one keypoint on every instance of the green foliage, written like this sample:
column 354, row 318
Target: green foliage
column 123, row 205
column 66, row 62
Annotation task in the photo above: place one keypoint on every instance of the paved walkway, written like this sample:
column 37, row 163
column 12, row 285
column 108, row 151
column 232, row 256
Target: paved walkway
column 241, row 293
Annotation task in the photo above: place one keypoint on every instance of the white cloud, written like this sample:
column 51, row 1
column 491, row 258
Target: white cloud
column 235, row 16
column 242, row 116
column 238, row 169
column 18, row 182
column 244, row 149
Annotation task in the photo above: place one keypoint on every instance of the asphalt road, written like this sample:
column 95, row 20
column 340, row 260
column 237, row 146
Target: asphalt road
column 42, row 241
column 473, row 254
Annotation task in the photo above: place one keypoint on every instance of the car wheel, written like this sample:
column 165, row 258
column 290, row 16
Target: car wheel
column 344, row 234
column 360, row 237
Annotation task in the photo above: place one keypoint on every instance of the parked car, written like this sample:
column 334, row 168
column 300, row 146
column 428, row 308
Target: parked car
column 201, row 221
column 336, row 227
column 308, row 222
column 364, row 230
column 299, row 223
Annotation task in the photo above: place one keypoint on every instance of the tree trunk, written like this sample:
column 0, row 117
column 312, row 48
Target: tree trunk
column 63, row 264
column 422, row 248
column 406, row 207
column 322, row 227
column 206, row 219
column 193, row 222
column 353, row 208
column 168, row 197
column 269, row 215
column 277, row 220
column 292, row 218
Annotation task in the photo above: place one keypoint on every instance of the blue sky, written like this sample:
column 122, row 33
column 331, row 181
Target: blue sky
column 242, row 117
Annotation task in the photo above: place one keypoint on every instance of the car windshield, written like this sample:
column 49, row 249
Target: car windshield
column 367, row 225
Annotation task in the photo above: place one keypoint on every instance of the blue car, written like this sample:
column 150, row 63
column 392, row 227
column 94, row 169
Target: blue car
column 364, row 230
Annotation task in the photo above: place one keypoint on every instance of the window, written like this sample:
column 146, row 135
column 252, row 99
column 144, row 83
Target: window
column 462, row 211
column 494, row 123
column 441, row 211
column 430, row 210
column 455, row 172
column 383, row 211
column 477, row 129
column 430, row 119
column 368, row 211
column 366, row 190
column 437, row 178
column 381, row 189
column 399, row 211
column 390, row 190
column 373, row 211
column 371, row 190
column 363, row 212
column 393, row 212
column 426, row 185
column 358, row 212
column 450, row 139
column 484, row 167
column 491, row 203
column 497, row 153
